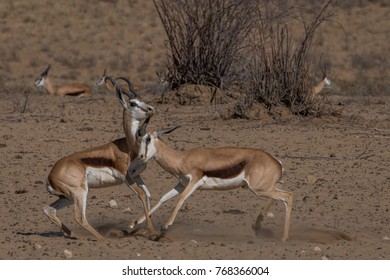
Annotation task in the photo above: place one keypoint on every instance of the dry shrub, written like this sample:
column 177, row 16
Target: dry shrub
column 20, row 93
column 249, row 46
column 204, row 38
column 281, row 59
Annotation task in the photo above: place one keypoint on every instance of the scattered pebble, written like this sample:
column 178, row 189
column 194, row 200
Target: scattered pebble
column 270, row 215
column 138, row 254
column 386, row 238
column 37, row 246
column 112, row 203
column 324, row 258
column 68, row 254
column 311, row 179
column 127, row 210
column 317, row 249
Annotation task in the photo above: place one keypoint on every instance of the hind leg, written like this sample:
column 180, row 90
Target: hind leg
column 51, row 210
column 262, row 214
column 80, row 206
column 286, row 197
column 274, row 194
column 265, row 212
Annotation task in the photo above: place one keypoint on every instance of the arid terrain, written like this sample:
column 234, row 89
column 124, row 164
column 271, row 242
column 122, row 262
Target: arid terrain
column 336, row 165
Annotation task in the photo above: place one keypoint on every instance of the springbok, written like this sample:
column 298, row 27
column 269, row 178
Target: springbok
column 320, row 86
column 72, row 176
column 216, row 169
column 316, row 89
column 105, row 81
column 64, row 89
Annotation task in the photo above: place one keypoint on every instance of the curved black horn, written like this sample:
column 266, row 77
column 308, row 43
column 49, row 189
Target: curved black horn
column 322, row 66
column 113, row 82
column 119, row 90
column 104, row 73
column 131, row 87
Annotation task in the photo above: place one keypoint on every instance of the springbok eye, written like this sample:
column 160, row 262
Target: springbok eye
column 132, row 104
column 147, row 140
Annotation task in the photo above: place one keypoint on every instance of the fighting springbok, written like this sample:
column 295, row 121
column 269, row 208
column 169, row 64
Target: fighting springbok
column 105, row 81
column 73, row 89
column 72, row 176
column 216, row 169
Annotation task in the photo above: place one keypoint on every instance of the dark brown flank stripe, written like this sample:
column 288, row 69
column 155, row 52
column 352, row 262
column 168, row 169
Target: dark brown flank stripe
column 77, row 93
column 98, row 162
column 227, row 172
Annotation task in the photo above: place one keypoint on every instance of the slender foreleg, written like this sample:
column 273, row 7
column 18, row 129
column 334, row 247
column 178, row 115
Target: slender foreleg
column 193, row 185
column 169, row 195
column 143, row 197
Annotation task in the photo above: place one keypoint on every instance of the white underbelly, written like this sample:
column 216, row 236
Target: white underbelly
column 103, row 177
column 212, row 183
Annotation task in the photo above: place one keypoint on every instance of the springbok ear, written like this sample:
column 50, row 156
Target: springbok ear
column 119, row 95
column 165, row 131
column 44, row 73
column 142, row 130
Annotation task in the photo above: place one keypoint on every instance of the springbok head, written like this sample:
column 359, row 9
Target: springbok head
column 40, row 82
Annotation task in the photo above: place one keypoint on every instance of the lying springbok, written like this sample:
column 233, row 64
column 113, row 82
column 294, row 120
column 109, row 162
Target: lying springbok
column 72, row 176
column 216, row 169
column 64, row 89
column 105, row 81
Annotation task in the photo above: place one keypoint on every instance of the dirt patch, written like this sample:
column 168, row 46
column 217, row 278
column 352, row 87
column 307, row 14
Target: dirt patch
column 333, row 166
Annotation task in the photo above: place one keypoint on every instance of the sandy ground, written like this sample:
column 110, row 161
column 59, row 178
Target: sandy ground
column 336, row 166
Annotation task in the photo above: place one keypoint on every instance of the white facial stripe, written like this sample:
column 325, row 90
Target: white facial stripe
column 40, row 82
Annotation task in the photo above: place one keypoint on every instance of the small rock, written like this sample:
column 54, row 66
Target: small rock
column 127, row 210
column 112, row 203
column 68, row 254
column 317, row 249
column 324, row 258
column 37, row 246
column 138, row 254
column 332, row 155
column 311, row 179
column 386, row 238
column 270, row 215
